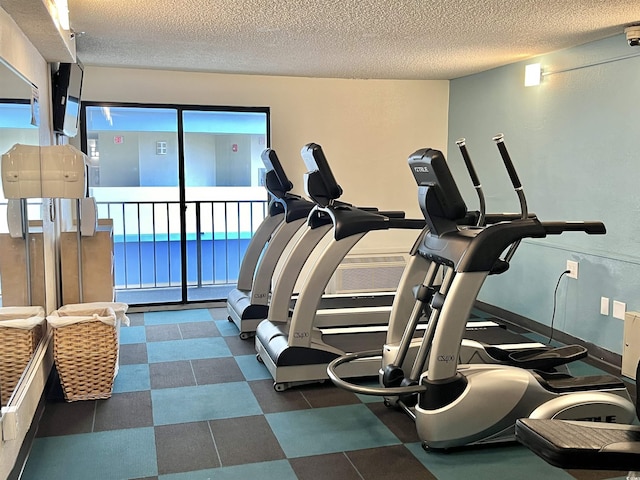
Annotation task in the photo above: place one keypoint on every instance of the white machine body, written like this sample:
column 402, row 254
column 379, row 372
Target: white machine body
column 466, row 420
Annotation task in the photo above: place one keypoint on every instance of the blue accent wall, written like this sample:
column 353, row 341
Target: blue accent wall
column 575, row 141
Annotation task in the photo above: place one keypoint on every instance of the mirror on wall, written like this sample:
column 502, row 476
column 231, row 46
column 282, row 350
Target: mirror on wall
column 21, row 237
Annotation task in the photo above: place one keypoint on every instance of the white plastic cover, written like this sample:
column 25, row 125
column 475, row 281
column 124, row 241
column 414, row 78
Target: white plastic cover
column 21, row 317
column 21, row 172
column 54, row 171
column 119, row 308
column 59, row 319
column 63, row 172
column 14, row 218
column 88, row 217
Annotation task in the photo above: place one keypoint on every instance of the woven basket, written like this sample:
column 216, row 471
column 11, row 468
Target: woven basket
column 16, row 349
column 85, row 356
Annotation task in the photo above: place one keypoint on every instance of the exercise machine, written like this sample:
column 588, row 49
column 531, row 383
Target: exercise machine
column 296, row 350
column 300, row 357
column 463, row 404
column 248, row 303
column 584, row 444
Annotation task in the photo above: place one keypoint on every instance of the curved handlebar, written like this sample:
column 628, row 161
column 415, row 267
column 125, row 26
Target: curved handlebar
column 364, row 390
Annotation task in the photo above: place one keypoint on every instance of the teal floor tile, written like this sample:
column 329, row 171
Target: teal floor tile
column 251, row 368
column 110, row 455
column 188, row 349
column 319, row 431
column 370, row 398
column 130, row 335
column 277, row 470
column 132, row 378
column 513, row 462
column 368, row 382
column 177, row 316
column 227, row 328
column 204, row 402
column 219, row 313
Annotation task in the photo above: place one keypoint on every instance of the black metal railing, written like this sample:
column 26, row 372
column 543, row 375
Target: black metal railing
column 147, row 241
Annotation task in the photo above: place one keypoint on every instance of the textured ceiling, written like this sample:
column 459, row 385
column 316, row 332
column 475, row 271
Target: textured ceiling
column 392, row 39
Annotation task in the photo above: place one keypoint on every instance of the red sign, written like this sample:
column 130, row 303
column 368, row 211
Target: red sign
column 118, row 139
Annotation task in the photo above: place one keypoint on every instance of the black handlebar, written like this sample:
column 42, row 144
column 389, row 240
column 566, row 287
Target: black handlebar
column 505, row 217
column 590, row 228
column 407, row 223
column 467, row 160
column 462, row 145
column 506, row 158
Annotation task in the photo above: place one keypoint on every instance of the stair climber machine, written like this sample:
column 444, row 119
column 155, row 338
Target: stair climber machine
column 458, row 404
column 297, row 349
column 248, row 303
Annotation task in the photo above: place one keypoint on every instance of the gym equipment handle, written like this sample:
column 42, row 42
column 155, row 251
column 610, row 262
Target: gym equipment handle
column 590, row 228
column 506, row 158
column 467, row 160
column 462, row 145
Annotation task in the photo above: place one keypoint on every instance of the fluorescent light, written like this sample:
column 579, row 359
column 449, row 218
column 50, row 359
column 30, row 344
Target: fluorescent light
column 62, row 8
column 532, row 75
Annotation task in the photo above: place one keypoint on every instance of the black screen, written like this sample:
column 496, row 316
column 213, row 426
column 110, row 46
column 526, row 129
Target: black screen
column 67, row 89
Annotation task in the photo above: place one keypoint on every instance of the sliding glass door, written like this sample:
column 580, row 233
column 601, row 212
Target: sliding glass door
column 182, row 186
column 224, row 195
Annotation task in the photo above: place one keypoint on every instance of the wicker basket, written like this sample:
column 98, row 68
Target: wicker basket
column 85, row 354
column 16, row 349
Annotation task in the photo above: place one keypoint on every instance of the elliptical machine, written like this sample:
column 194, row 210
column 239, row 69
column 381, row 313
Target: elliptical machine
column 463, row 404
column 484, row 345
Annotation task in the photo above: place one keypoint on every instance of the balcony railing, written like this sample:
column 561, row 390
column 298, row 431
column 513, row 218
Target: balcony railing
column 147, row 248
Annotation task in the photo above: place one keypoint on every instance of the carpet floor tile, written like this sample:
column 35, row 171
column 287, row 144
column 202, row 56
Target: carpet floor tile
column 171, row 374
column 242, row 440
column 189, row 349
column 203, row 402
column 116, row 454
column 329, row 430
column 184, row 447
column 192, row 402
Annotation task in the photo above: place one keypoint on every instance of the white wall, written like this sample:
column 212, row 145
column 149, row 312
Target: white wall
column 367, row 128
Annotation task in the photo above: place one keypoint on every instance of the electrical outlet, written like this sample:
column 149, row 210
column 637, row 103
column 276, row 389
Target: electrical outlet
column 573, row 269
column 604, row 306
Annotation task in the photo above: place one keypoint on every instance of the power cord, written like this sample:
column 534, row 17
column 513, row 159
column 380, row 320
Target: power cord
column 555, row 298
